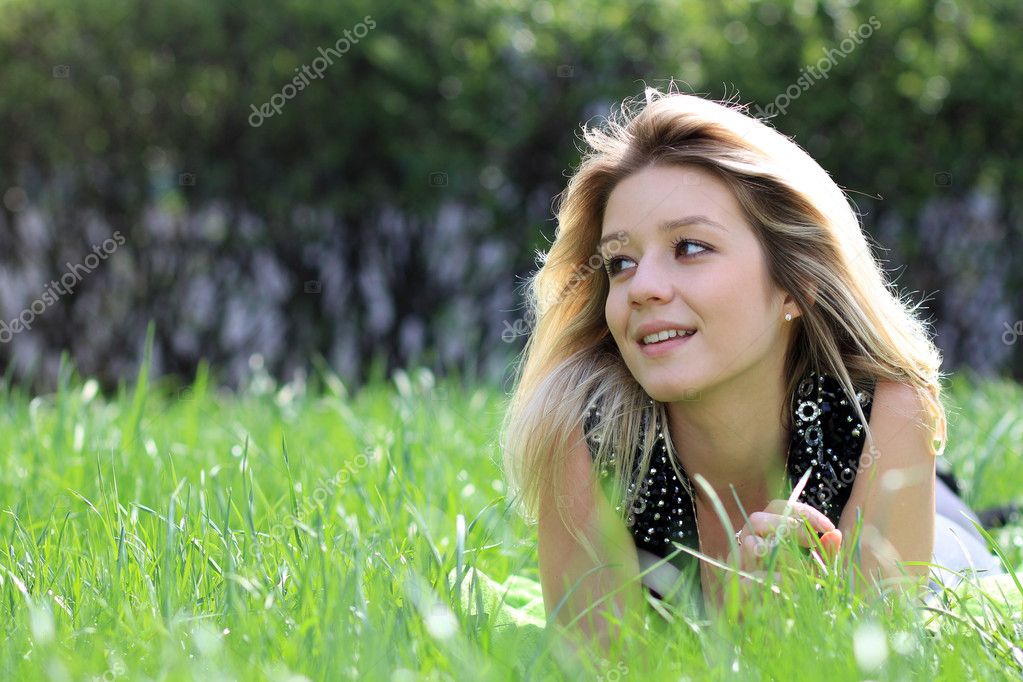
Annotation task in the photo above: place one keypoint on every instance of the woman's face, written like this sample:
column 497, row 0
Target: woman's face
column 681, row 255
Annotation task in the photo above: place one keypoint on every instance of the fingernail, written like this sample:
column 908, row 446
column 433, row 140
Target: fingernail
column 832, row 540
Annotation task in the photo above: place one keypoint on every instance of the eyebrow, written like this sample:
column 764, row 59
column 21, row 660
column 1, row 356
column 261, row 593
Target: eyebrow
column 668, row 226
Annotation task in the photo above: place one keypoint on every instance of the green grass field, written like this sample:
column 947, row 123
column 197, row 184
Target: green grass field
column 306, row 532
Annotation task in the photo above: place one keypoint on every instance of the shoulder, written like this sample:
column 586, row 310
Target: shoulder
column 901, row 438
column 896, row 403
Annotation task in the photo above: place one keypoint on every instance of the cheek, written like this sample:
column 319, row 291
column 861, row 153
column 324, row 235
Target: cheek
column 615, row 315
column 734, row 290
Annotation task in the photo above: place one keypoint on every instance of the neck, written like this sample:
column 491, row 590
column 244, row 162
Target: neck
column 733, row 436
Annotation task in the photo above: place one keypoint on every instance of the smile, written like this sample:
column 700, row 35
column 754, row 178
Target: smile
column 652, row 350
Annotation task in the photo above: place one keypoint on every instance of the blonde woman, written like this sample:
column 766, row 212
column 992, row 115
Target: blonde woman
column 712, row 327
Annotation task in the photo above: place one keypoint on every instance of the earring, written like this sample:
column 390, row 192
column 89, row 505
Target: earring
column 788, row 317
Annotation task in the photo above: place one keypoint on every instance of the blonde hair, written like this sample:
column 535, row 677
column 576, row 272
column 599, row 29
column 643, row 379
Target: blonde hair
column 853, row 325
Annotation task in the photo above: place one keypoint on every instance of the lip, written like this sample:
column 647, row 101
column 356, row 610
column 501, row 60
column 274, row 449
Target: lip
column 664, row 347
column 657, row 326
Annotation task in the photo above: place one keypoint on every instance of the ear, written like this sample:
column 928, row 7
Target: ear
column 791, row 301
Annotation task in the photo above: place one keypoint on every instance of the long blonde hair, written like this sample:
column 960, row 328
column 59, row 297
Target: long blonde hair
column 853, row 325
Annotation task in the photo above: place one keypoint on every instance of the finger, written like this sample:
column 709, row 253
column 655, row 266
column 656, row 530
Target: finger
column 779, row 527
column 817, row 518
column 752, row 550
column 832, row 541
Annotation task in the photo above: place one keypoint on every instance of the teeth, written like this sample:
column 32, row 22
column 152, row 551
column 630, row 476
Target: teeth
column 667, row 334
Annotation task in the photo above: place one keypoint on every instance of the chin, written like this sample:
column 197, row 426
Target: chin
column 673, row 392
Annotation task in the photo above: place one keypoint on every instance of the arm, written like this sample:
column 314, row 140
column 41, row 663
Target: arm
column 894, row 490
column 604, row 544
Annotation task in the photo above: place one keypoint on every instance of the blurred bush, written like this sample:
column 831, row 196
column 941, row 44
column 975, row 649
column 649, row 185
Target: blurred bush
column 370, row 182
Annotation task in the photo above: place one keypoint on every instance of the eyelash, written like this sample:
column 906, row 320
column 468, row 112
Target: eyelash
column 608, row 262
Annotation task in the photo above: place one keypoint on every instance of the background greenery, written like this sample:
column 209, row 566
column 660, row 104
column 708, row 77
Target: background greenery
column 393, row 206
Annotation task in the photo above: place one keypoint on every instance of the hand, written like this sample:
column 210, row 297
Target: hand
column 767, row 528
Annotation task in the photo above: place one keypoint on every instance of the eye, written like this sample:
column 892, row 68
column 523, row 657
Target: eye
column 611, row 264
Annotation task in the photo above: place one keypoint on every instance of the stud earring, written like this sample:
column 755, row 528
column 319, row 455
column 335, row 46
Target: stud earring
column 788, row 317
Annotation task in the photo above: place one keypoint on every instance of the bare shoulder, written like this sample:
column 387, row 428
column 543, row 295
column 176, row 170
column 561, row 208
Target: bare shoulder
column 899, row 425
column 577, row 494
column 897, row 405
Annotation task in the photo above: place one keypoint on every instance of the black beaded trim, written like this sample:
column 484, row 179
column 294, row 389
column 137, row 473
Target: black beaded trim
column 827, row 436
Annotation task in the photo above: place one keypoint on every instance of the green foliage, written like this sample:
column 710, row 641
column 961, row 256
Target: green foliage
column 300, row 530
column 111, row 109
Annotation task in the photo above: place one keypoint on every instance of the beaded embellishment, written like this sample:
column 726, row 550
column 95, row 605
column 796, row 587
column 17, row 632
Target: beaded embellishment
column 826, row 435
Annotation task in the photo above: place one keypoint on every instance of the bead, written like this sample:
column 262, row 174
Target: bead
column 814, row 435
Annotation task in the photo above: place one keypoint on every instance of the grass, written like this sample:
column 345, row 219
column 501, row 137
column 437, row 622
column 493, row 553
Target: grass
column 304, row 532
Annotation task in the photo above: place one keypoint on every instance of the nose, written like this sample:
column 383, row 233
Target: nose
column 648, row 285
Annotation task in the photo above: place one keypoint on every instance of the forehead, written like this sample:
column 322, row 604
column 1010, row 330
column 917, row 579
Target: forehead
column 657, row 195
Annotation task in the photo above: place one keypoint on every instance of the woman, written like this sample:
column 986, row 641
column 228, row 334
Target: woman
column 711, row 311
